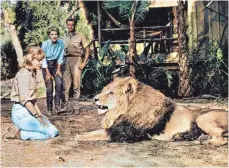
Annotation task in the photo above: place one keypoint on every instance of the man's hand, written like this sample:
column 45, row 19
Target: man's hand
column 82, row 65
column 58, row 72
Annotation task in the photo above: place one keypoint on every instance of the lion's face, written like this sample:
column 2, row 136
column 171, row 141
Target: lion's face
column 113, row 95
column 106, row 100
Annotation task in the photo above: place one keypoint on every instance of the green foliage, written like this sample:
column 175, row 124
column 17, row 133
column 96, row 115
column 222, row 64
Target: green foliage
column 125, row 48
column 98, row 73
column 34, row 17
column 95, row 76
column 104, row 51
column 141, row 11
column 128, row 9
column 210, row 73
column 8, row 58
column 83, row 26
column 149, row 72
column 162, row 79
column 41, row 14
column 10, row 9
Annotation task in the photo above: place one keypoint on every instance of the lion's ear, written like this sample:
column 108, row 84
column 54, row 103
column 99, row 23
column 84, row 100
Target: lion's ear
column 129, row 88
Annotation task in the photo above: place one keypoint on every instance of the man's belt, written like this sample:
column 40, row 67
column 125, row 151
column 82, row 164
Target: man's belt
column 70, row 55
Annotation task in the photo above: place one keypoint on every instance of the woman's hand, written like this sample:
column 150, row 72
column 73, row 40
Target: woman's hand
column 38, row 110
column 40, row 118
column 58, row 72
column 48, row 77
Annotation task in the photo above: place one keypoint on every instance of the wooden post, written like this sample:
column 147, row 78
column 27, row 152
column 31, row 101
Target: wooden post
column 95, row 50
column 184, row 89
column 192, row 22
column 144, row 36
column 223, row 23
column 215, row 21
column 99, row 24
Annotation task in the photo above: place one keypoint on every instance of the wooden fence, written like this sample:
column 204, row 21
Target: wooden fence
column 211, row 21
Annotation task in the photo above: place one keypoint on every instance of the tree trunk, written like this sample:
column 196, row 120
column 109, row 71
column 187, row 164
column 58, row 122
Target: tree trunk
column 14, row 38
column 184, row 89
column 132, row 49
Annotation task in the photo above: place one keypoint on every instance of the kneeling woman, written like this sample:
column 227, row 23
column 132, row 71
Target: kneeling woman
column 30, row 123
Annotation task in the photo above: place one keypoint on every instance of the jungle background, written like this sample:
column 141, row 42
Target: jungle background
column 206, row 44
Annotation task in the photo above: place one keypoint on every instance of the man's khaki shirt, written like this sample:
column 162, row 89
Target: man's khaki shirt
column 74, row 44
column 24, row 86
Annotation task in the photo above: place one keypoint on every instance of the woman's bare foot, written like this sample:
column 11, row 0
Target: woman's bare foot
column 13, row 133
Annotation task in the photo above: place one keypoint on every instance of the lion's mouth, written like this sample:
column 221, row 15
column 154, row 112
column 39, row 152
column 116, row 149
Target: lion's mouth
column 102, row 109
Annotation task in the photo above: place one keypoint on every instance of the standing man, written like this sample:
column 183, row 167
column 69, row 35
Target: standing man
column 75, row 45
column 51, row 68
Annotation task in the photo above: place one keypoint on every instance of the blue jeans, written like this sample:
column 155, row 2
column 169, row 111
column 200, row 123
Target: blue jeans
column 31, row 128
column 52, row 67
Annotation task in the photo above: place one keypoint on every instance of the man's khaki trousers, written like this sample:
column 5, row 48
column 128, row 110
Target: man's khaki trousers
column 72, row 73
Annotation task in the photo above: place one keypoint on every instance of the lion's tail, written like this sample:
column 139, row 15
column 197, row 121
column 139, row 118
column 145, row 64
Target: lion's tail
column 189, row 135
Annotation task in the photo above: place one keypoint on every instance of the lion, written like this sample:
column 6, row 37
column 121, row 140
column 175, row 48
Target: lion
column 134, row 111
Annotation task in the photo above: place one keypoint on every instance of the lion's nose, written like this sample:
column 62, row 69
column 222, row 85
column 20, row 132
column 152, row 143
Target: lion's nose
column 96, row 99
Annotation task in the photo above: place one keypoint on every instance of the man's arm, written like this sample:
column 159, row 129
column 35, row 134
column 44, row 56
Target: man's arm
column 84, row 63
column 87, row 53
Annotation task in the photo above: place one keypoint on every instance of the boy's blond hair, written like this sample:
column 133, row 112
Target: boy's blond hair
column 37, row 52
column 33, row 53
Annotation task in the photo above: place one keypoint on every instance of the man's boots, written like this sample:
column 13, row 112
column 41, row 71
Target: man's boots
column 75, row 107
column 65, row 108
column 70, row 108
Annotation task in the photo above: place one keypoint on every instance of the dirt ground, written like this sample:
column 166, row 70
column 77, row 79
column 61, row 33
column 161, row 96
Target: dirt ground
column 64, row 151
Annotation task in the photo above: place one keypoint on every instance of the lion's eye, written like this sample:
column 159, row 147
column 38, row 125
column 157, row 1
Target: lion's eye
column 110, row 93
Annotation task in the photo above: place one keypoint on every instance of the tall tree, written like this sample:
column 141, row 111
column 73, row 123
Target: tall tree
column 10, row 27
column 135, row 12
column 184, row 89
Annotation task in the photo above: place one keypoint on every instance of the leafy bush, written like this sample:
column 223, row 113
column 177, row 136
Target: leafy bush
column 98, row 72
column 8, row 59
column 209, row 68
column 149, row 71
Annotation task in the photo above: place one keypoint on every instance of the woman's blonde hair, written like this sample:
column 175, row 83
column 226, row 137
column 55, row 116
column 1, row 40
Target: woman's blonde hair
column 34, row 52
